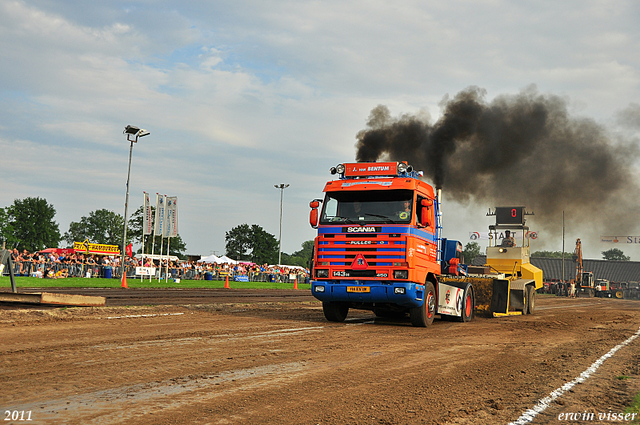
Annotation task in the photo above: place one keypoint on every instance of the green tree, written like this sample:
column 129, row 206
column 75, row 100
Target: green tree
column 177, row 246
column 238, row 242
column 30, row 224
column 470, row 252
column 614, row 254
column 101, row 226
column 264, row 246
column 300, row 258
column 251, row 243
column 6, row 231
column 551, row 254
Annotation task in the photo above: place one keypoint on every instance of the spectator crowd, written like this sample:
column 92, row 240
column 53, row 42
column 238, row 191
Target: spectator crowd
column 67, row 263
column 253, row 272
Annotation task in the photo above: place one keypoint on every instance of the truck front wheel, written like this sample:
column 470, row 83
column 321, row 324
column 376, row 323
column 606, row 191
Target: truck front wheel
column 335, row 312
column 423, row 316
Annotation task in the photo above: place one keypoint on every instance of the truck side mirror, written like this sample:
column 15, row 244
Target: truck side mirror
column 313, row 215
column 424, row 219
column 424, row 215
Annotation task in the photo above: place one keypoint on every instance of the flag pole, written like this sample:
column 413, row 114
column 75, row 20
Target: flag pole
column 155, row 226
column 160, row 260
column 141, row 275
column 166, row 272
column 144, row 229
column 161, row 228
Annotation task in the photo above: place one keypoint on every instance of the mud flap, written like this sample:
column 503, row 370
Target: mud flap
column 516, row 299
column 500, row 296
column 517, row 291
column 508, row 297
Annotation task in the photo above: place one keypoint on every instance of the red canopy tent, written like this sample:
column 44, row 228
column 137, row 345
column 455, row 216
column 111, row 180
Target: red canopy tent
column 58, row 250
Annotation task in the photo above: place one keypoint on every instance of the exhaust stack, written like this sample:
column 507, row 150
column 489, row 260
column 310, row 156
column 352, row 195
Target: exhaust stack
column 439, row 210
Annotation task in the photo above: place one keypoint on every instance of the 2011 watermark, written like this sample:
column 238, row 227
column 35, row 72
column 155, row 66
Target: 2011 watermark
column 601, row 417
column 17, row 415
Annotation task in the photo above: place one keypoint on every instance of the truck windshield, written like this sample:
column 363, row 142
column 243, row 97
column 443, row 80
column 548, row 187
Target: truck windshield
column 376, row 206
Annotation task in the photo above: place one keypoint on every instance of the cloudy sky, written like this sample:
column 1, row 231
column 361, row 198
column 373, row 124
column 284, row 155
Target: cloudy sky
column 242, row 95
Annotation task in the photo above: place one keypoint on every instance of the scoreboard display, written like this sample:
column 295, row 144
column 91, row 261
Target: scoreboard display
column 510, row 215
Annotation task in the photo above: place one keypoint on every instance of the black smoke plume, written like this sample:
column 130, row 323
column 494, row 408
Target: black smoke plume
column 523, row 149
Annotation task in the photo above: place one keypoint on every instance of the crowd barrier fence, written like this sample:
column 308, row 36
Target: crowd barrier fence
column 88, row 270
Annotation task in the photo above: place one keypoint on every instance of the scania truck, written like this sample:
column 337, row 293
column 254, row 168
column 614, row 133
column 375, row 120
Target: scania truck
column 380, row 247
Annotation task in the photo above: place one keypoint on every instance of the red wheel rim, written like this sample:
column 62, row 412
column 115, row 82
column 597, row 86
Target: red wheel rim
column 430, row 307
column 467, row 308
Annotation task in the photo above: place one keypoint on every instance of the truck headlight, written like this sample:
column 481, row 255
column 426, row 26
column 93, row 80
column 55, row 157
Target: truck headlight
column 322, row 273
column 319, row 288
column 400, row 291
column 401, row 274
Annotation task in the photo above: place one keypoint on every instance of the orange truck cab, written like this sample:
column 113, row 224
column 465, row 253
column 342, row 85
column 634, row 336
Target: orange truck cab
column 379, row 246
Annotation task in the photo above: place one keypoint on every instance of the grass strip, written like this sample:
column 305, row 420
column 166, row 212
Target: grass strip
column 79, row 282
column 634, row 408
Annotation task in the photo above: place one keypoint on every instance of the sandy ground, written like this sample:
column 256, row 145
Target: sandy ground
column 283, row 363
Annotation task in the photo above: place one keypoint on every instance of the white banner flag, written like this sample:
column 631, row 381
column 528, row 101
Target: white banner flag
column 147, row 228
column 165, row 223
column 172, row 217
column 160, row 215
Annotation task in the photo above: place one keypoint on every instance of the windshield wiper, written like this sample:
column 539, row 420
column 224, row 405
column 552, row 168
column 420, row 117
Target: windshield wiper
column 345, row 219
column 382, row 216
column 350, row 220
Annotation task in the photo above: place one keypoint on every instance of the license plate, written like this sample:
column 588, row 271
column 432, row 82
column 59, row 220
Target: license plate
column 358, row 289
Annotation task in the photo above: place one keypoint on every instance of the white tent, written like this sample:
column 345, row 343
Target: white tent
column 210, row 259
column 225, row 259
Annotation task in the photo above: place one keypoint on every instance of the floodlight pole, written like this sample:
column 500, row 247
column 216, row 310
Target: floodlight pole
column 130, row 131
column 126, row 206
column 282, row 187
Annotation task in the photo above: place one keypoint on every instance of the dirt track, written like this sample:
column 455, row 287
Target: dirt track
column 281, row 362
column 136, row 297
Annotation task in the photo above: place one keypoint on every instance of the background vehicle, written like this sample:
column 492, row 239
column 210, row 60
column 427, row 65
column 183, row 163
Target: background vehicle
column 585, row 284
column 632, row 290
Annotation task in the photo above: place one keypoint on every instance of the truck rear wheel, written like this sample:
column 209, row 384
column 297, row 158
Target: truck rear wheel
column 467, row 305
column 335, row 312
column 423, row 316
column 531, row 299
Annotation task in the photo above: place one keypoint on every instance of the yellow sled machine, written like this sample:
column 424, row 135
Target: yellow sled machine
column 506, row 285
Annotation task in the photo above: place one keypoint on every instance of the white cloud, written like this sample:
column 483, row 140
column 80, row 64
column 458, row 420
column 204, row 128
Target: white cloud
column 241, row 95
